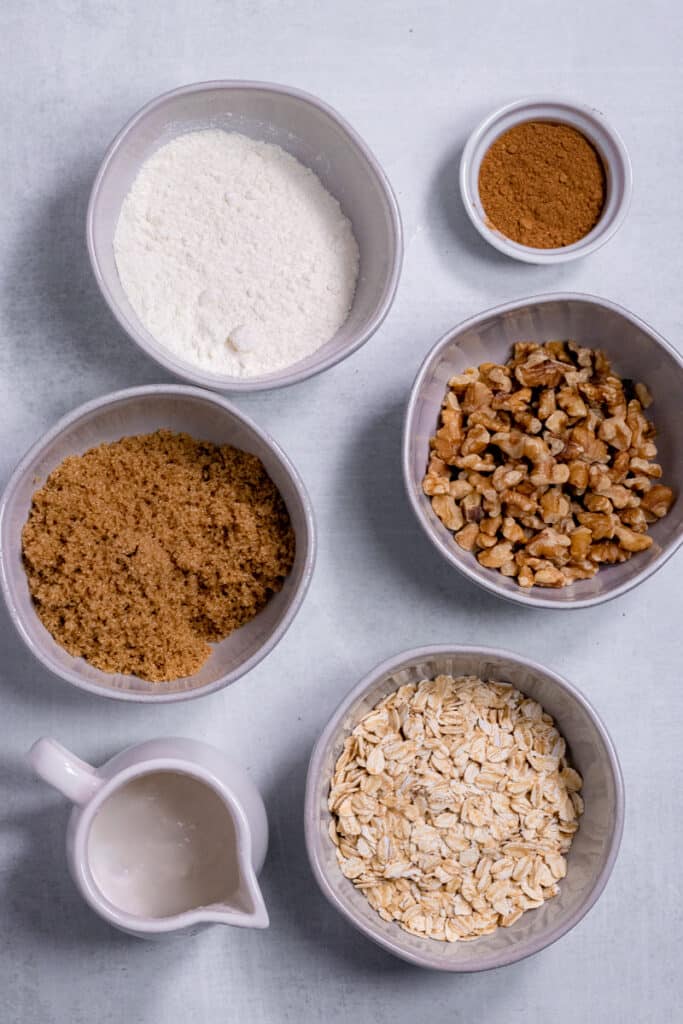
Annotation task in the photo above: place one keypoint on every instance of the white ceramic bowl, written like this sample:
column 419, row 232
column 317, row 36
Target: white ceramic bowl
column 589, row 122
column 317, row 136
column 593, row 852
column 635, row 350
column 140, row 410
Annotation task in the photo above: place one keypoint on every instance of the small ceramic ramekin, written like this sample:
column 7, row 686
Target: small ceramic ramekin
column 595, row 846
column 589, row 122
column 142, row 410
column 319, row 138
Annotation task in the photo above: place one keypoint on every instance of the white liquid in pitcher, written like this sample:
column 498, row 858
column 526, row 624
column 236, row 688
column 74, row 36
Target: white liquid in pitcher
column 162, row 844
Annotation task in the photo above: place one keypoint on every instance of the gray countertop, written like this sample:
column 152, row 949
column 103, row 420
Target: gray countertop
column 414, row 80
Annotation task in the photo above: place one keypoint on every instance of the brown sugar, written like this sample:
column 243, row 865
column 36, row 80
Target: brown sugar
column 141, row 552
column 542, row 185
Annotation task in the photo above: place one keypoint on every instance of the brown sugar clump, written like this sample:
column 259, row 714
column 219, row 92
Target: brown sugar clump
column 141, row 552
column 542, row 185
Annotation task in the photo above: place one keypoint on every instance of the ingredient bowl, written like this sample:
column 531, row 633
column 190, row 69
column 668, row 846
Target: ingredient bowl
column 593, row 851
column 590, row 123
column 137, row 411
column 319, row 138
column 635, row 351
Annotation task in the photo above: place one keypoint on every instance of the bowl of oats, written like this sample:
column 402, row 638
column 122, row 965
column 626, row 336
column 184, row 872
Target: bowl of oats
column 464, row 807
column 540, row 450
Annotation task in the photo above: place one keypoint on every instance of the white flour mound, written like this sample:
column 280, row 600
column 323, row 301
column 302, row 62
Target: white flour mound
column 233, row 255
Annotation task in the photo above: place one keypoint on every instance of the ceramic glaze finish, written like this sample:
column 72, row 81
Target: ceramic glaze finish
column 242, row 903
column 594, row 848
column 634, row 349
column 139, row 411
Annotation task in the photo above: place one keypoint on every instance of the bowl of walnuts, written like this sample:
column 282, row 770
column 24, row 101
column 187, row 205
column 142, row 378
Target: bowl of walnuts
column 540, row 450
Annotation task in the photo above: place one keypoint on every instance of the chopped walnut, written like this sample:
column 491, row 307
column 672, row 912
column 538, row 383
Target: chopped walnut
column 544, row 468
column 467, row 536
column 643, row 395
column 448, row 512
column 658, row 500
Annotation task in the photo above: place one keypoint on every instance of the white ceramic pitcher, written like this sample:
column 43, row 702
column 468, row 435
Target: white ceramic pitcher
column 95, row 837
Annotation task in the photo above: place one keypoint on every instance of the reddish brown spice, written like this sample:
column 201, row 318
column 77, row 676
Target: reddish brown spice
column 542, row 185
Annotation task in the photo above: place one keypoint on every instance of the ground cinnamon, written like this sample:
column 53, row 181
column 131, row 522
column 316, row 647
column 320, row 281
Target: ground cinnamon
column 141, row 552
column 542, row 184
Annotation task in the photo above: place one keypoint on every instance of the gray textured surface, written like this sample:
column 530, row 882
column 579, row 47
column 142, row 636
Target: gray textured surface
column 414, row 82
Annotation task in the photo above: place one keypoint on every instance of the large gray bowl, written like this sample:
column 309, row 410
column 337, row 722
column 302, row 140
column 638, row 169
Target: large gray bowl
column 137, row 411
column 593, row 852
column 635, row 350
column 317, row 136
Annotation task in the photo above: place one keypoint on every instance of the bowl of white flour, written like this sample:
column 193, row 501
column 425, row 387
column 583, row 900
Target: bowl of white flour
column 243, row 235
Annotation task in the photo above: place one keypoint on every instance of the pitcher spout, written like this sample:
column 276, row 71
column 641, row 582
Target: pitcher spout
column 248, row 909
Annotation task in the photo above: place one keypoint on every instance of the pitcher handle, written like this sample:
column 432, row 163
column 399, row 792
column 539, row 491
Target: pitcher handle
column 55, row 764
